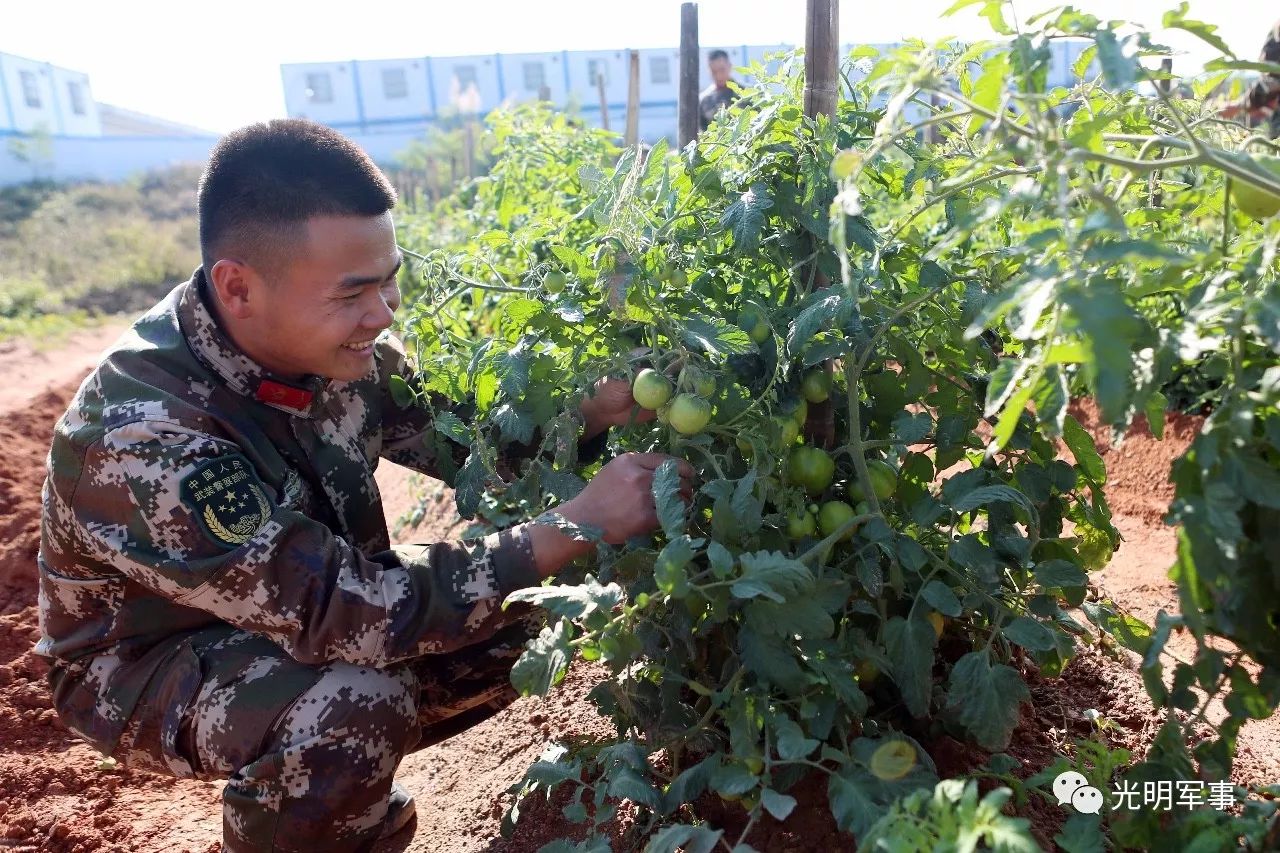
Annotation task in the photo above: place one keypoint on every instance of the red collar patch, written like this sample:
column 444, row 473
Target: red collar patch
column 279, row 394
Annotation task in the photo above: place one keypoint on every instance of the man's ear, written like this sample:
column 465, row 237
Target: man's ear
column 237, row 287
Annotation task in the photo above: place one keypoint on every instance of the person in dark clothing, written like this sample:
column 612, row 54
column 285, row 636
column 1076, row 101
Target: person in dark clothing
column 719, row 94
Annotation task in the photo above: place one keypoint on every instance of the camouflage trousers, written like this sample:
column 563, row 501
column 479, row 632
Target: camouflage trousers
column 308, row 752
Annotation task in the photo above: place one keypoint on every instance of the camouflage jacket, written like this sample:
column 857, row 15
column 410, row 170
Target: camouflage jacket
column 1262, row 101
column 188, row 489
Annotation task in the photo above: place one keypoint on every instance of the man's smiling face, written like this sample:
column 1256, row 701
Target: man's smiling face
column 321, row 311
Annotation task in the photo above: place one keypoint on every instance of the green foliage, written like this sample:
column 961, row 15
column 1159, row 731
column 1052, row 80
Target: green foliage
column 962, row 291
column 68, row 253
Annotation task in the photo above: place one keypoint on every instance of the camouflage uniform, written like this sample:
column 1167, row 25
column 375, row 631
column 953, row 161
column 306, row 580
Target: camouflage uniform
column 219, row 598
column 1262, row 102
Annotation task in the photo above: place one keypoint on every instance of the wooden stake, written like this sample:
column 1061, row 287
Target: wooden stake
column 632, row 135
column 604, row 102
column 687, row 111
column 821, row 70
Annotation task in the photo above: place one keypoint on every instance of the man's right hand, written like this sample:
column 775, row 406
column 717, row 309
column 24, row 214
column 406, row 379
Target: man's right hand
column 618, row 500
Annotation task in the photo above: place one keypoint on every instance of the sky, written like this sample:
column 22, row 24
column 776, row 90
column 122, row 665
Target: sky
column 216, row 65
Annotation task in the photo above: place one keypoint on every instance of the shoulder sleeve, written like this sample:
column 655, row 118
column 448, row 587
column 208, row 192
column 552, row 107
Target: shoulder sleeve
column 185, row 515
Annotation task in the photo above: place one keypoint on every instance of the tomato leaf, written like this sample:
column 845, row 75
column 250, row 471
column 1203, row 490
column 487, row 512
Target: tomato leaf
column 1030, row 634
column 985, row 699
column 545, row 660
column 715, row 336
column 744, row 219
column 910, row 647
column 771, row 575
column 666, row 494
column 1084, row 450
column 778, row 805
column 941, row 598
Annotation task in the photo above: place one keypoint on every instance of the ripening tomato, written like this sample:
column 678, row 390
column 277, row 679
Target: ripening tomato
column 811, row 468
column 835, row 515
column 689, row 414
column 651, row 389
column 816, row 385
column 801, row 524
column 754, row 325
column 884, row 481
column 1256, row 202
column 554, row 282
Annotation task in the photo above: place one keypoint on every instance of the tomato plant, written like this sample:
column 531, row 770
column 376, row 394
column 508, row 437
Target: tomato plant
column 952, row 296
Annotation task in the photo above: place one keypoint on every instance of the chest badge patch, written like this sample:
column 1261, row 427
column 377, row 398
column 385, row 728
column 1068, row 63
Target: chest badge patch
column 228, row 499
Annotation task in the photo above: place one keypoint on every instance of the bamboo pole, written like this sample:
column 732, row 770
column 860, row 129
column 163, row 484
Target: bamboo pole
column 632, row 135
column 821, row 71
column 687, row 111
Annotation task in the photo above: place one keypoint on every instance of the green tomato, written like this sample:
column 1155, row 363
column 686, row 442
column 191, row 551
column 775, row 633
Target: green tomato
column 679, row 279
column 705, row 386
column 746, row 448
column 843, row 164
column 1256, row 202
column 754, row 325
column 651, row 389
column 788, row 432
column 801, row 412
column 833, row 516
column 866, row 671
column 816, row 385
column 811, row 468
column 642, row 600
column 801, row 525
column 554, row 282
column 884, row 481
column 690, row 414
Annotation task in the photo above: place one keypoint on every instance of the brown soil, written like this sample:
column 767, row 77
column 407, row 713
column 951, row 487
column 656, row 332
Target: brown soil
column 55, row 796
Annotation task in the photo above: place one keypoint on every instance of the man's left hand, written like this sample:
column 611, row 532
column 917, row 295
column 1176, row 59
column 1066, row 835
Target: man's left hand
column 611, row 405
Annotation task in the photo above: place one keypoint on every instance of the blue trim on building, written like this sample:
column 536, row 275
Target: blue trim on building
column 355, row 82
column 502, row 89
column 8, row 104
column 57, row 104
column 564, row 60
column 431, row 88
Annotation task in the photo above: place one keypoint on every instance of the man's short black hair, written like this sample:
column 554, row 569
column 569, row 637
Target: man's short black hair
column 264, row 181
column 717, row 54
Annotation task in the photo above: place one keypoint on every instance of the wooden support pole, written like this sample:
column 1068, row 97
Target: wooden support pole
column 604, row 101
column 687, row 111
column 821, row 68
column 632, row 134
column 821, row 73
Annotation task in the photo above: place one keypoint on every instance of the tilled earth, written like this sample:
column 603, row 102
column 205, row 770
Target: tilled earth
column 57, row 795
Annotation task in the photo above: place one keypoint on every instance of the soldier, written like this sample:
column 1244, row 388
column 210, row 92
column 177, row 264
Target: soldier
column 1261, row 104
column 218, row 595
column 718, row 95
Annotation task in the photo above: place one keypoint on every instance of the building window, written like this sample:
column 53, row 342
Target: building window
column 394, row 83
column 319, row 87
column 30, row 89
column 76, row 93
column 597, row 70
column 659, row 70
column 534, row 76
column 465, row 75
